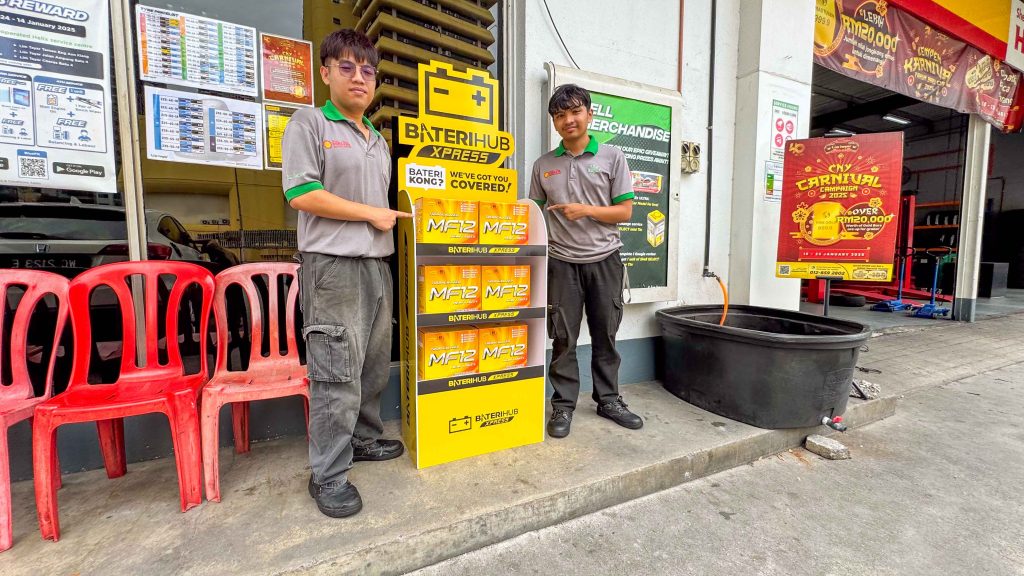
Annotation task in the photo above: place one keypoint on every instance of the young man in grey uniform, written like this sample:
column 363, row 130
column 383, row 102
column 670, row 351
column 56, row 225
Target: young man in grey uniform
column 337, row 169
column 587, row 190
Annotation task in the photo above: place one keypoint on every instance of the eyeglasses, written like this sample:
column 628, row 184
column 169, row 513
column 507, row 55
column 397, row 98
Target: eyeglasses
column 348, row 69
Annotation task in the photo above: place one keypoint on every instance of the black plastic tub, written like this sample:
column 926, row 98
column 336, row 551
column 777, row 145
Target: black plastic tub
column 765, row 367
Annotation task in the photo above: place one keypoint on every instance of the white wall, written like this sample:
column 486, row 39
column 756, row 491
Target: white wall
column 773, row 65
column 638, row 41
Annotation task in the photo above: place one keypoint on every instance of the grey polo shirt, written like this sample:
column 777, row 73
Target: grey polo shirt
column 599, row 176
column 323, row 150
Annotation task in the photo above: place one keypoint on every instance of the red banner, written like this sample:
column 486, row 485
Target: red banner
column 840, row 207
column 875, row 42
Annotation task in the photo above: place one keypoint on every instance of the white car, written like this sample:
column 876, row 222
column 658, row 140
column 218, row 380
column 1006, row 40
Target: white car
column 69, row 238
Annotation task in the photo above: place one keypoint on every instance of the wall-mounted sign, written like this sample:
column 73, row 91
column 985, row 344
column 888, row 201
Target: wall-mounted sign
column 275, row 119
column 56, row 120
column 187, row 50
column 287, row 69
column 644, row 122
column 201, row 129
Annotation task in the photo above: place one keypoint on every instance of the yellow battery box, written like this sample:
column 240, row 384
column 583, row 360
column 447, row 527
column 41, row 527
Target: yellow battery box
column 655, row 228
column 447, row 352
column 445, row 289
column 446, row 221
column 504, row 223
column 504, row 287
column 503, row 347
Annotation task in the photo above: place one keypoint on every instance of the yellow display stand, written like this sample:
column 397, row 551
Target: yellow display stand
column 455, row 152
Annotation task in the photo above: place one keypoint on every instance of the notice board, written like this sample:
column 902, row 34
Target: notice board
column 645, row 123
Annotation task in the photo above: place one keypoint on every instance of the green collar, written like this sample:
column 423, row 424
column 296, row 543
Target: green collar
column 332, row 113
column 591, row 146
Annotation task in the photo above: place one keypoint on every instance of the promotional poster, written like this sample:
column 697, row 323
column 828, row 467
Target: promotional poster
column 840, row 207
column 643, row 132
column 287, row 69
column 57, row 127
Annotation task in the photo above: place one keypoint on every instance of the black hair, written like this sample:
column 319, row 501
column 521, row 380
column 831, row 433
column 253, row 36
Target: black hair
column 567, row 97
column 351, row 42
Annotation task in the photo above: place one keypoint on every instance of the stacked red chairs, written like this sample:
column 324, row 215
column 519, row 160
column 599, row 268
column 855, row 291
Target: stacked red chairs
column 18, row 399
column 153, row 386
column 276, row 375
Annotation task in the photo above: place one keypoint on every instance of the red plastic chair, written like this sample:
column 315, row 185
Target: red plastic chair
column 273, row 376
column 18, row 399
column 156, row 387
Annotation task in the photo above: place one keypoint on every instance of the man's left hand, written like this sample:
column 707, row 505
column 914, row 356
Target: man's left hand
column 573, row 211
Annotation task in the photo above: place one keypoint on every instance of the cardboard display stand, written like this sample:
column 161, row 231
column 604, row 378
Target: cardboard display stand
column 454, row 151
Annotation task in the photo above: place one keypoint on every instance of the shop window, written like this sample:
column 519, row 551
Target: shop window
column 228, row 204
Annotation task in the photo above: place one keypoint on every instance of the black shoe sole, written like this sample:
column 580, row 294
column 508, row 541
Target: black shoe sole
column 637, row 427
column 381, row 458
column 558, row 434
column 343, row 512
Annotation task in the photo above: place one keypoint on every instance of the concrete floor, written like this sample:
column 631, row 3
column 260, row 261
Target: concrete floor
column 933, row 490
column 1012, row 303
column 267, row 524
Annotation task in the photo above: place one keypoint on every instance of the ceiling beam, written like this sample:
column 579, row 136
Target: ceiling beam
column 877, row 107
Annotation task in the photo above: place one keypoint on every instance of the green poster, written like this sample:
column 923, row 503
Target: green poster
column 643, row 132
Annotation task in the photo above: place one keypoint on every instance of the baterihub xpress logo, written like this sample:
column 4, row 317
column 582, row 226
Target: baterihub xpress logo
column 496, row 418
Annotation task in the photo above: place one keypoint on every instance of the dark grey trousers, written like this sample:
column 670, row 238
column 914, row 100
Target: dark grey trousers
column 573, row 288
column 346, row 306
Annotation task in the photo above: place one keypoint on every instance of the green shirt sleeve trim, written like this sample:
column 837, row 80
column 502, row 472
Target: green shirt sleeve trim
column 301, row 189
column 623, row 197
column 539, row 201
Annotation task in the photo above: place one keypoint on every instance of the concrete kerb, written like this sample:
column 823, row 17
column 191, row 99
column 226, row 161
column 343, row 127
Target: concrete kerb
column 411, row 552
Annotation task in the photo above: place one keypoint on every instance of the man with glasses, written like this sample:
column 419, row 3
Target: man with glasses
column 336, row 173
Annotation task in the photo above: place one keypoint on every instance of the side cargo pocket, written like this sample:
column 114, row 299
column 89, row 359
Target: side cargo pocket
column 556, row 324
column 327, row 353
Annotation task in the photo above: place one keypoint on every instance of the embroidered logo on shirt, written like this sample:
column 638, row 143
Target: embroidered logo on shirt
column 593, row 169
column 551, row 173
column 328, row 144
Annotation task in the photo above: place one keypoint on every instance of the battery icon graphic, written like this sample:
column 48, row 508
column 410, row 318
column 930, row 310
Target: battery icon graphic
column 655, row 228
column 459, row 424
column 466, row 96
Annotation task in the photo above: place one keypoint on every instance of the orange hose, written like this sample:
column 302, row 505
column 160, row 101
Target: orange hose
column 725, row 298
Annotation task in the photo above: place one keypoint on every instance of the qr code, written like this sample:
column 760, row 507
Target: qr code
column 32, row 167
column 784, row 269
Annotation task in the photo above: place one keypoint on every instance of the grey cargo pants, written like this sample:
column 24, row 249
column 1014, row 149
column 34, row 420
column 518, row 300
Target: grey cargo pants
column 346, row 305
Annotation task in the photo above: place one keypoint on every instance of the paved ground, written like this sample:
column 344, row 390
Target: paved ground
column 268, row 525
column 986, row 308
column 936, row 489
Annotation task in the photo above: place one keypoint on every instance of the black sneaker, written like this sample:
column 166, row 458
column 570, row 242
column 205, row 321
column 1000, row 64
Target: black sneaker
column 617, row 412
column 377, row 451
column 559, row 424
column 336, row 501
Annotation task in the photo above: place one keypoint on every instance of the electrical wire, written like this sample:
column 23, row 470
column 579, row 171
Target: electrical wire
column 559, row 34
